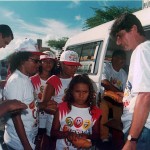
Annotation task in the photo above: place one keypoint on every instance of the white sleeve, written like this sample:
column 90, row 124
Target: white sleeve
column 124, row 79
column 105, row 72
column 141, row 72
column 14, row 90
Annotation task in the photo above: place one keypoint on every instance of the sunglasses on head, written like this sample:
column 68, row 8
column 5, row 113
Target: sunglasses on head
column 35, row 60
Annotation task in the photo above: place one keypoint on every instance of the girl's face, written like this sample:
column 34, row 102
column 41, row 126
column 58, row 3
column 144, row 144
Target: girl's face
column 68, row 70
column 47, row 64
column 31, row 66
column 80, row 93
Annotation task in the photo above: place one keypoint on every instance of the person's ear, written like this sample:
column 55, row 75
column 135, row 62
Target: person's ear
column 134, row 28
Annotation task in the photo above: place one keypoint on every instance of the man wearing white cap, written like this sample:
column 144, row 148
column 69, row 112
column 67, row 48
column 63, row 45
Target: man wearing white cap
column 56, row 85
column 21, row 128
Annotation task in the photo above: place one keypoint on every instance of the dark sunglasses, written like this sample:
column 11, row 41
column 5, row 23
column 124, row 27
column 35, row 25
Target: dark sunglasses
column 35, row 60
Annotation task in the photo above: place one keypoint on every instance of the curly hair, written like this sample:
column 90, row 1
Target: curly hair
column 126, row 22
column 17, row 58
column 76, row 80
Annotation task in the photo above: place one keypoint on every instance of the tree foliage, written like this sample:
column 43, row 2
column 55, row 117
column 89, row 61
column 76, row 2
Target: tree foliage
column 57, row 44
column 107, row 14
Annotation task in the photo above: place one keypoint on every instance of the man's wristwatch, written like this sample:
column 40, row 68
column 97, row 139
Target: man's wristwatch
column 130, row 138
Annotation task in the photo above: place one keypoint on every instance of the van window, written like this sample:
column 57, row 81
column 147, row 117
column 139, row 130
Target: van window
column 87, row 56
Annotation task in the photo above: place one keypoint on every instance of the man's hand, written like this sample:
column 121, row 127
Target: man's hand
column 129, row 145
column 14, row 105
column 2, row 83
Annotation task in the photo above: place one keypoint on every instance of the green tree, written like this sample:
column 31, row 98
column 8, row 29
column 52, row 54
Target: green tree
column 107, row 14
column 57, row 44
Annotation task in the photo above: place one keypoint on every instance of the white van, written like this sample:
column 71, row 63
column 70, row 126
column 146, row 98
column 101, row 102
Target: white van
column 94, row 47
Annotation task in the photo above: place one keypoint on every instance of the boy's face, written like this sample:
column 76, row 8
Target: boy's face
column 69, row 70
column 4, row 41
column 118, row 61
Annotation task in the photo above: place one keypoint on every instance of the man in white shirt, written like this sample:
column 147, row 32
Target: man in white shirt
column 6, row 36
column 129, row 33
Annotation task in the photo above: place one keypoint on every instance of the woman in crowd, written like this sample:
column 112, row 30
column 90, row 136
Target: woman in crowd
column 21, row 128
column 46, row 69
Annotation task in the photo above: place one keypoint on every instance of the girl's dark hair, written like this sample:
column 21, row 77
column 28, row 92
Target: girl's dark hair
column 76, row 80
column 17, row 58
column 51, row 72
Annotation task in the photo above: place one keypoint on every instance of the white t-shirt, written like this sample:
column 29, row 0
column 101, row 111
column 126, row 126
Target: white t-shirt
column 60, row 85
column 77, row 120
column 39, row 85
column 118, row 79
column 19, row 87
column 138, row 81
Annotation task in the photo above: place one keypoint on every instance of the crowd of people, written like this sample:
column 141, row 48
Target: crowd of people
column 50, row 109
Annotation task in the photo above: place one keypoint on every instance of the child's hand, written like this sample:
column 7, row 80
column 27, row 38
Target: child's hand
column 82, row 143
column 51, row 107
column 72, row 136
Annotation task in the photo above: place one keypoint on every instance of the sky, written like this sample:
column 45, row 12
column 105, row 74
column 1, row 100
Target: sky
column 49, row 20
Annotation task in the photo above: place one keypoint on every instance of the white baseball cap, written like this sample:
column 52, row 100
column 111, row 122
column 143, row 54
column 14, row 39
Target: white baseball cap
column 70, row 58
column 48, row 55
column 29, row 45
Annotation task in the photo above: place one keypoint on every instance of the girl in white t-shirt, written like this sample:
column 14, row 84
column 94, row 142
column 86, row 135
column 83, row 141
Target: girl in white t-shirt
column 46, row 69
column 56, row 86
column 77, row 117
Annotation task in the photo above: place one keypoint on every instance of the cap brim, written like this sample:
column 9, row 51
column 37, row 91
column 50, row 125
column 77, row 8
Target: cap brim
column 37, row 53
column 72, row 63
column 49, row 58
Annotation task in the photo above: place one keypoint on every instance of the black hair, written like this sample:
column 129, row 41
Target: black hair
column 6, row 31
column 51, row 72
column 17, row 58
column 120, row 53
column 126, row 22
column 80, row 79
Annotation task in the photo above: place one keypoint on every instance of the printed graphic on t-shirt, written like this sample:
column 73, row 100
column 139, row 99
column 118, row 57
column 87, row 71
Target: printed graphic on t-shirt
column 78, row 125
column 69, row 121
column 127, row 94
column 86, row 124
column 78, row 122
column 117, row 83
column 56, row 83
column 41, row 92
column 33, row 108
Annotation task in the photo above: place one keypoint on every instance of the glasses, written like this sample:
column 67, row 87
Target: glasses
column 35, row 60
